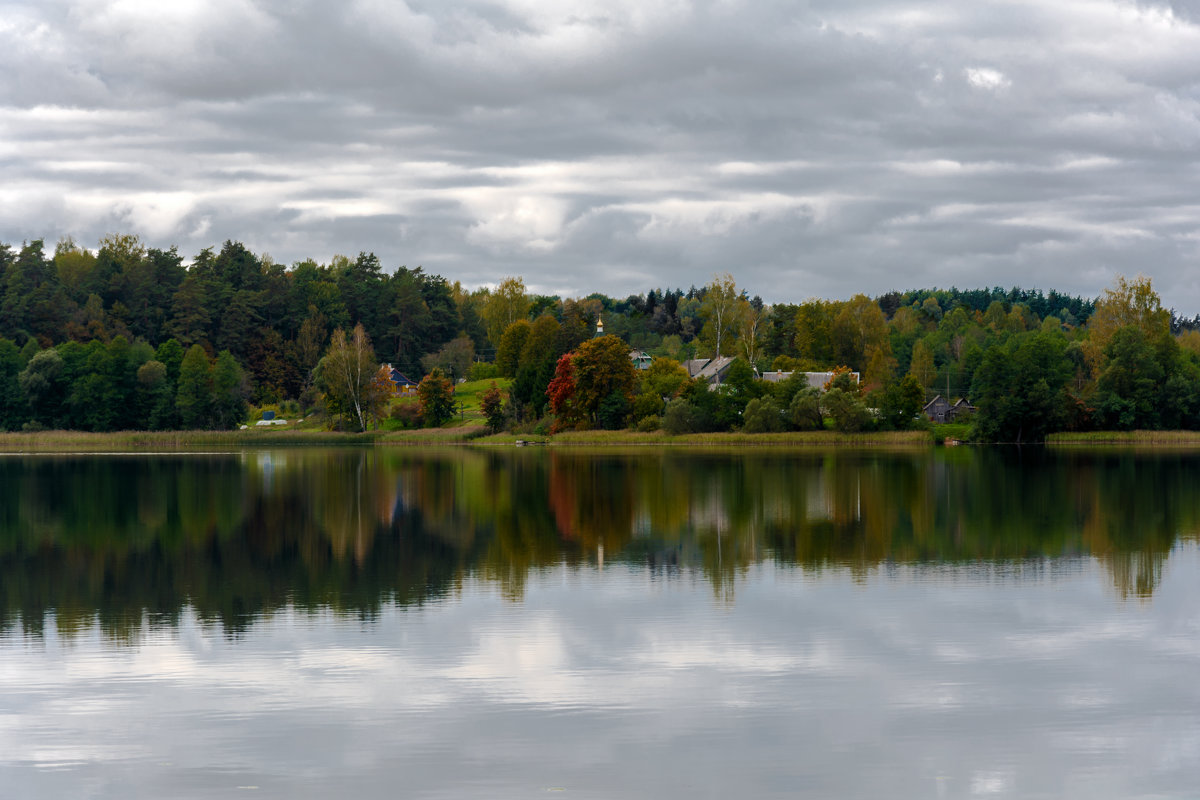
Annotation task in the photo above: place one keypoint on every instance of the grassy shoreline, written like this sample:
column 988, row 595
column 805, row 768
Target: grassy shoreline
column 79, row 441
column 83, row 442
column 476, row 435
column 1181, row 439
column 790, row 439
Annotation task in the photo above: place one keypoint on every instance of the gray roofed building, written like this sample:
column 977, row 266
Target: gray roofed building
column 710, row 369
column 939, row 409
column 815, row 380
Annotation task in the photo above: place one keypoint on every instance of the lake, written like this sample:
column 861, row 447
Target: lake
column 646, row 623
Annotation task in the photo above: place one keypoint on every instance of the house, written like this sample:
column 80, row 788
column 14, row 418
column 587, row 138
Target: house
column 405, row 387
column 641, row 359
column 815, row 380
column 712, row 370
column 939, row 409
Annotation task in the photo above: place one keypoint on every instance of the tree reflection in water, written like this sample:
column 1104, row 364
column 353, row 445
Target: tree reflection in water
column 120, row 540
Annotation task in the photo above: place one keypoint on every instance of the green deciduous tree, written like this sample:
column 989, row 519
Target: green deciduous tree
column 154, row 396
column 814, row 332
column 1129, row 392
column 1019, row 388
column 39, row 382
column 900, row 402
column 230, row 391
column 193, row 393
column 665, row 378
column 535, row 367
column 508, row 353
column 846, row 409
column 454, row 358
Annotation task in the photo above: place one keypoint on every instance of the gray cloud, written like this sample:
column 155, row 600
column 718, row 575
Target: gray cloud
column 809, row 148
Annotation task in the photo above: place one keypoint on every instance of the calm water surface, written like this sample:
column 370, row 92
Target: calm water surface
column 515, row 623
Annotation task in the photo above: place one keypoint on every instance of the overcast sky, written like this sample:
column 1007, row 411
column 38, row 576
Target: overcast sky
column 809, row 148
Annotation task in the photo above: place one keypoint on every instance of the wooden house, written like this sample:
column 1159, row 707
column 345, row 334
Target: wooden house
column 939, row 409
column 405, row 386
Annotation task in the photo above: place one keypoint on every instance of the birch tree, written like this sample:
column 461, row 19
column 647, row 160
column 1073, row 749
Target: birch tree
column 720, row 307
column 507, row 303
column 752, row 319
column 345, row 375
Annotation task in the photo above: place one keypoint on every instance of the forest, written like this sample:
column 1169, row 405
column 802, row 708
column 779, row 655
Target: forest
column 131, row 337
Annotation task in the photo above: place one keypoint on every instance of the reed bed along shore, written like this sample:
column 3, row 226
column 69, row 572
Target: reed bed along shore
column 150, row 441
column 791, row 439
column 1181, row 439
column 84, row 442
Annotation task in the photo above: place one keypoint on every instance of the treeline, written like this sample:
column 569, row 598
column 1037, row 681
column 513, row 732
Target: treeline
column 97, row 341
column 110, row 386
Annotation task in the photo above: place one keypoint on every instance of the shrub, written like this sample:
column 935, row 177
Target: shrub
column 848, row 412
column 679, row 417
column 649, row 424
column 647, row 404
column 483, row 371
column 762, row 416
column 407, row 413
column 804, row 412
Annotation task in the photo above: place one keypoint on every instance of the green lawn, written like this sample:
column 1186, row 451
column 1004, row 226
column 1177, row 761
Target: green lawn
column 470, row 395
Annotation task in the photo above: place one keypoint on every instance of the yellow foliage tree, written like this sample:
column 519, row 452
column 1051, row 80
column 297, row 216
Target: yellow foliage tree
column 508, row 303
column 1127, row 303
column 922, row 367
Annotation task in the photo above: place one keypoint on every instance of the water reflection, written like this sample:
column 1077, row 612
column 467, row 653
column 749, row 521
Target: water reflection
column 120, row 540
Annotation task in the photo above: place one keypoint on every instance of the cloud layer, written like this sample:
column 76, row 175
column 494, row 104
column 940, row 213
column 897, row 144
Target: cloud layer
column 810, row 148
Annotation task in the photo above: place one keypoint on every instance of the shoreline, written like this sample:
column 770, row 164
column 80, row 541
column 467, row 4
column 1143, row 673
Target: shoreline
column 1156, row 439
column 473, row 435
column 159, row 441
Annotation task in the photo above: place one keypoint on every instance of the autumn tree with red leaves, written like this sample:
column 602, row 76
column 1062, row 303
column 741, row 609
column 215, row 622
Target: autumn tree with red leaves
column 561, row 393
column 598, row 371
